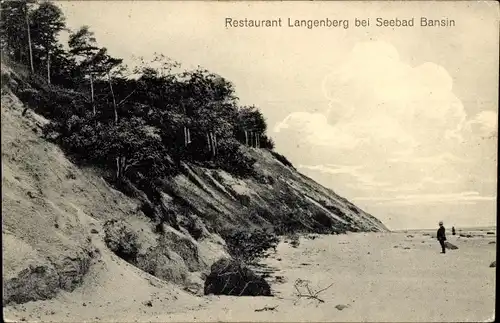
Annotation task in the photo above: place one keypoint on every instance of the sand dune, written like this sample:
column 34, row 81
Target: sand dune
column 375, row 277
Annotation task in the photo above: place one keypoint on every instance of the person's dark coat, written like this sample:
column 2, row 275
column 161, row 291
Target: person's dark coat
column 441, row 236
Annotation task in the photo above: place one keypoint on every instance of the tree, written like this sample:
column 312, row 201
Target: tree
column 252, row 124
column 209, row 103
column 46, row 23
column 94, row 62
column 15, row 30
column 83, row 46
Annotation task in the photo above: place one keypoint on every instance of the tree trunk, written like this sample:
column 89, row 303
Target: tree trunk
column 208, row 143
column 92, row 94
column 246, row 138
column 29, row 38
column 188, row 135
column 211, row 143
column 48, row 66
column 120, row 166
column 215, row 145
column 114, row 100
column 185, row 136
column 117, row 168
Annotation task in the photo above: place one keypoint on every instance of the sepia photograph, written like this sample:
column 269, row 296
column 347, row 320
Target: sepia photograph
column 249, row 161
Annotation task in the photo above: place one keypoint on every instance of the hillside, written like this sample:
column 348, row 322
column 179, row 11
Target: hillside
column 62, row 221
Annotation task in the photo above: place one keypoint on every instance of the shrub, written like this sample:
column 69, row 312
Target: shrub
column 231, row 158
column 122, row 240
column 282, row 159
column 229, row 277
column 162, row 262
column 267, row 143
column 249, row 245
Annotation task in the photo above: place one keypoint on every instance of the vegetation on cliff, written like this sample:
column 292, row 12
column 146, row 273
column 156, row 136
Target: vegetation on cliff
column 127, row 120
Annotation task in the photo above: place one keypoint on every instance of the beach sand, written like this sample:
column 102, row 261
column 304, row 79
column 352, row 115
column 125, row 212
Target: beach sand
column 376, row 276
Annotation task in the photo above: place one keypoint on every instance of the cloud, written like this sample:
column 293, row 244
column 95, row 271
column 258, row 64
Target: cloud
column 427, row 183
column 377, row 100
column 366, row 180
column 420, row 199
column 484, row 123
column 313, row 128
column 391, row 128
column 333, row 169
column 443, row 158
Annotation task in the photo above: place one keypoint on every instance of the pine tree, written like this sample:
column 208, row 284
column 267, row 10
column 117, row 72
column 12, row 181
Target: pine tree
column 83, row 46
column 15, row 31
column 46, row 23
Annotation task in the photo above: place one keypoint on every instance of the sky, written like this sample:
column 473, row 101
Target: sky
column 402, row 121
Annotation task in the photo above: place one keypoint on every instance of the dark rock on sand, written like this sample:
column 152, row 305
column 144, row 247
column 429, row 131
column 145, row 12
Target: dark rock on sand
column 229, row 277
column 340, row 307
column 493, row 264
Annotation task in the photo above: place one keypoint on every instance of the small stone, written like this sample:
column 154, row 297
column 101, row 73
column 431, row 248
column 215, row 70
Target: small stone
column 493, row 264
column 340, row 307
column 94, row 231
column 84, row 304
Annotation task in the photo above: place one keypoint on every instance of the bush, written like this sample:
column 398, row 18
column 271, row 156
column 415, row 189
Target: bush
column 233, row 160
column 289, row 224
column 267, row 143
column 163, row 263
column 248, row 245
column 229, row 277
column 122, row 240
column 282, row 159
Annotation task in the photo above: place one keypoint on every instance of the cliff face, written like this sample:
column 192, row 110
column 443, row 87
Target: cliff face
column 59, row 220
column 277, row 196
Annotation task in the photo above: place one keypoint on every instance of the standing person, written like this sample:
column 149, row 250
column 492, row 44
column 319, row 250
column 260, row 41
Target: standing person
column 441, row 236
column 453, row 230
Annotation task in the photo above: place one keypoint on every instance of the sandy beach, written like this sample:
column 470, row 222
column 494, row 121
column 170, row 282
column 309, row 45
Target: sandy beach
column 373, row 277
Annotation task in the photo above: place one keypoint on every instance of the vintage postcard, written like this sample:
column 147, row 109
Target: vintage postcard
column 240, row 161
